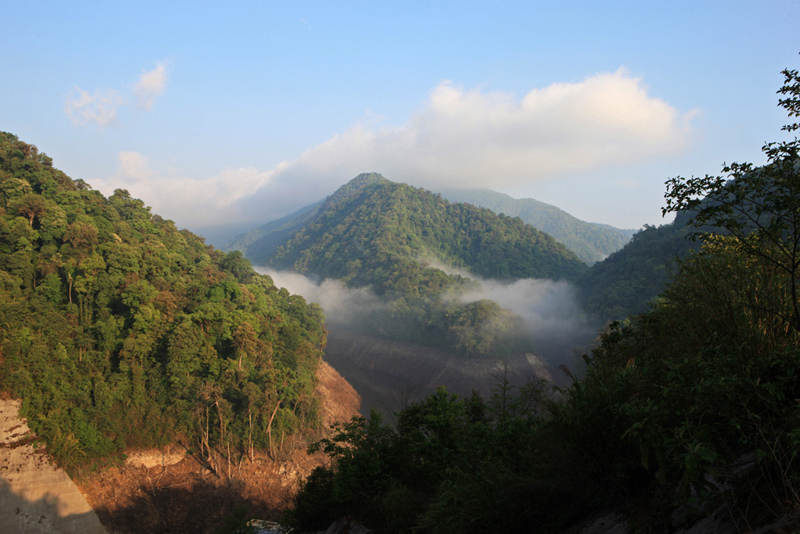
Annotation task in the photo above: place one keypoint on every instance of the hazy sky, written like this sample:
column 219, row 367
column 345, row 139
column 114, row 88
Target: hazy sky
column 215, row 112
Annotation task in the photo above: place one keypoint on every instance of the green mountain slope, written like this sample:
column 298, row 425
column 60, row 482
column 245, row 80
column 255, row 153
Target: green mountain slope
column 117, row 330
column 380, row 222
column 390, row 237
column 592, row 242
column 624, row 283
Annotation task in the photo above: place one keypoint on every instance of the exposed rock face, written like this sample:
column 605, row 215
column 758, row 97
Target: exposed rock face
column 169, row 455
column 35, row 496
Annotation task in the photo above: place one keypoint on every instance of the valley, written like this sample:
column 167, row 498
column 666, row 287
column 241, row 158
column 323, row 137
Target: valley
column 185, row 391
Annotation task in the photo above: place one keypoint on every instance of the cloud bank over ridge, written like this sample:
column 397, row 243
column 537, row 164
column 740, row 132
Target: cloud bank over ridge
column 457, row 138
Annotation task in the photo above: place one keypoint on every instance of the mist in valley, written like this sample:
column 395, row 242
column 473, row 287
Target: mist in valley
column 344, row 306
column 552, row 317
column 388, row 374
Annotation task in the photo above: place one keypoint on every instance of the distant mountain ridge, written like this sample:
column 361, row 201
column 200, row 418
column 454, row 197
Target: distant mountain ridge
column 272, row 234
column 592, row 242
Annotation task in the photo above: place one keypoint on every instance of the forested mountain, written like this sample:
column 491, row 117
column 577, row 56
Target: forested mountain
column 380, row 222
column 392, row 238
column 686, row 420
column 628, row 279
column 117, row 330
column 592, row 242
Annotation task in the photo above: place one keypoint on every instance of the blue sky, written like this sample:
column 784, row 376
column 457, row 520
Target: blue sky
column 241, row 113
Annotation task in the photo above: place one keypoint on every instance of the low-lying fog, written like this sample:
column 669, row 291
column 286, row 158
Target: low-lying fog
column 389, row 374
column 550, row 310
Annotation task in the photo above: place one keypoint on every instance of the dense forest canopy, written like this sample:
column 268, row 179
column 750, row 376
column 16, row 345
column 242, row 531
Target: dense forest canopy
column 395, row 239
column 117, row 329
column 688, row 410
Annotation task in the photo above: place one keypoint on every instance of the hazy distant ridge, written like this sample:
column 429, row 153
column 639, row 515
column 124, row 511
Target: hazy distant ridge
column 592, row 242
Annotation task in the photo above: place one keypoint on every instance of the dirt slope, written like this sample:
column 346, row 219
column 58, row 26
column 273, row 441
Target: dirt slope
column 390, row 374
column 35, row 496
column 168, row 491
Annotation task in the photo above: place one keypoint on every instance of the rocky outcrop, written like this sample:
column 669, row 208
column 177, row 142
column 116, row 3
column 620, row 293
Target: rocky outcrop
column 147, row 458
column 35, row 496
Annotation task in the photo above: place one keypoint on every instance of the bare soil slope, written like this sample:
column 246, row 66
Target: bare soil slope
column 390, row 374
column 169, row 491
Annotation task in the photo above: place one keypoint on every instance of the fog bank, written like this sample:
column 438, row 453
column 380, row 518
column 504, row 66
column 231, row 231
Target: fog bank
column 551, row 317
column 342, row 305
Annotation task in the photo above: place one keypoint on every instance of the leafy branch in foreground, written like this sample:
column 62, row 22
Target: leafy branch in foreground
column 759, row 207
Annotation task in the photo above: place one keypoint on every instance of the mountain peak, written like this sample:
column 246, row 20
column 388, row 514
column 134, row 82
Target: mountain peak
column 366, row 178
column 356, row 185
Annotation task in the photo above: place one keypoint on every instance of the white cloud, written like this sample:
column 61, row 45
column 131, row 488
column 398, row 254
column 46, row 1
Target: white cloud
column 457, row 138
column 102, row 106
column 189, row 201
column 471, row 138
column 151, row 84
column 134, row 166
column 466, row 137
column 99, row 108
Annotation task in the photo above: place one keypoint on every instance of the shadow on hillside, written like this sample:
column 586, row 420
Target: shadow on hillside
column 196, row 508
column 388, row 375
column 18, row 515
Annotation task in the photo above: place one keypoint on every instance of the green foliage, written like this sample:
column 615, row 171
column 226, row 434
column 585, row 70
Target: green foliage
column 759, row 207
column 389, row 477
column 117, row 329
